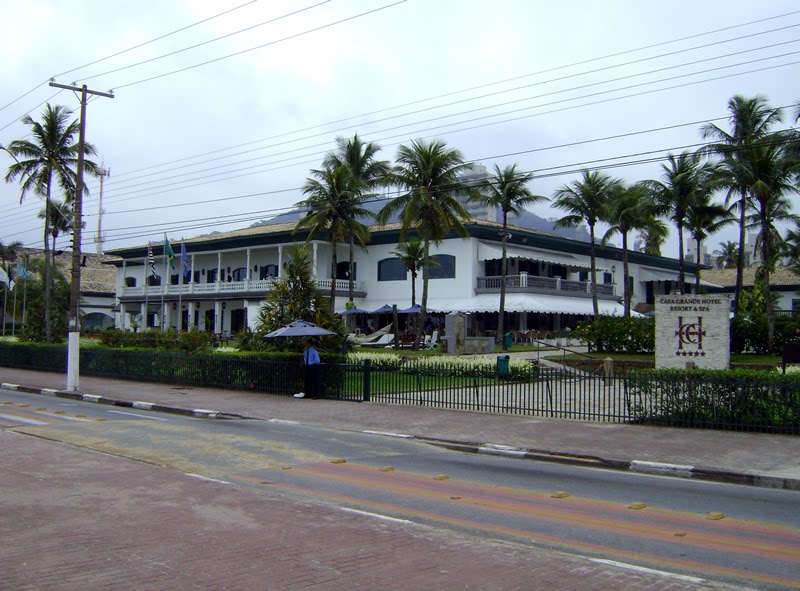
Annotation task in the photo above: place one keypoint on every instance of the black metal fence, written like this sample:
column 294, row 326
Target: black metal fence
column 768, row 403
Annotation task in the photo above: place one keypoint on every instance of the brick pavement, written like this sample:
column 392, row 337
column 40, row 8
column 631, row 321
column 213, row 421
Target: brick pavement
column 74, row 519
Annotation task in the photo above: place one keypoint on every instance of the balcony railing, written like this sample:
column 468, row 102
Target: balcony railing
column 535, row 284
column 230, row 287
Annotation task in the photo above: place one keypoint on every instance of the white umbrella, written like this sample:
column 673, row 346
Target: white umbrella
column 299, row 328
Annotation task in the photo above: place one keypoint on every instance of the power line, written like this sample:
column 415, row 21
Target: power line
column 296, row 35
column 159, row 38
column 461, row 91
column 134, row 190
column 190, row 47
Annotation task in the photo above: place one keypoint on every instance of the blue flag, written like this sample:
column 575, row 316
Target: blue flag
column 185, row 261
column 22, row 272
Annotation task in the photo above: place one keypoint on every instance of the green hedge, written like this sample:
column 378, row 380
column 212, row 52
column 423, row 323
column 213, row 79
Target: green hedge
column 725, row 399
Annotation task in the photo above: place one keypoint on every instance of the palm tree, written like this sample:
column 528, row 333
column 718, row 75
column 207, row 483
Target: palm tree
column 412, row 255
column 8, row 252
column 429, row 174
column 332, row 211
column 50, row 157
column 585, row 201
column 727, row 254
column 60, row 220
column 631, row 208
column 770, row 172
column 508, row 191
column 751, row 121
column 684, row 178
column 791, row 247
column 703, row 219
column 654, row 234
column 366, row 172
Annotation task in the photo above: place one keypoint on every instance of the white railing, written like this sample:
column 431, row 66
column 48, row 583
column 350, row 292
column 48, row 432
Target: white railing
column 257, row 285
column 534, row 283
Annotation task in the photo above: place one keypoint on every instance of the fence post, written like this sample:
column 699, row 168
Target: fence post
column 608, row 368
column 367, row 364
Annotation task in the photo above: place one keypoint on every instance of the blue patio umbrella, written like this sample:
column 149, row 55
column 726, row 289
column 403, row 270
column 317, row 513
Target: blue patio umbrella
column 387, row 309
column 412, row 310
column 299, row 328
column 354, row 311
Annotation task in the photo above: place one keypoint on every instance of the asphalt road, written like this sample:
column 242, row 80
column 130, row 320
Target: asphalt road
column 740, row 535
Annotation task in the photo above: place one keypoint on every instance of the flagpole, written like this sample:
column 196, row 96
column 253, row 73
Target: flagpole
column 25, row 290
column 5, row 295
column 164, row 284
column 180, row 297
column 146, row 305
column 14, row 316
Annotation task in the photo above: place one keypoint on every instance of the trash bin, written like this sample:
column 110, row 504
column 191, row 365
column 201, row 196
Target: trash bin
column 508, row 340
column 502, row 365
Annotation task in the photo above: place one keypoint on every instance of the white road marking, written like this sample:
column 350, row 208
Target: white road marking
column 283, row 422
column 206, row 478
column 388, row 434
column 22, row 420
column 650, row 571
column 377, row 516
column 133, row 414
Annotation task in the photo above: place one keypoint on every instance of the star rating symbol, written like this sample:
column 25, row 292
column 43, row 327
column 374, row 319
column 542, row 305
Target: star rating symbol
column 690, row 353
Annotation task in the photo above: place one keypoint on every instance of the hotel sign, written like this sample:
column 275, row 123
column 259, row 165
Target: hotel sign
column 693, row 330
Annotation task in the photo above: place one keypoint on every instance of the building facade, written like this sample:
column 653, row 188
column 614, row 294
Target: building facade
column 229, row 274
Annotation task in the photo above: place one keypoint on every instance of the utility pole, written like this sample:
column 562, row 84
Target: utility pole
column 74, row 341
column 103, row 173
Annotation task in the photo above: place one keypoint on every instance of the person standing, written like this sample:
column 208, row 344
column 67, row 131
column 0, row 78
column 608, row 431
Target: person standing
column 311, row 365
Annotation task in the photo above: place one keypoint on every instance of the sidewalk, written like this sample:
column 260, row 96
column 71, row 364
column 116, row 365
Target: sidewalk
column 747, row 458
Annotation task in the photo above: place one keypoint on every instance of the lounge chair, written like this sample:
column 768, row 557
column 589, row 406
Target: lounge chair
column 383, row 341
column 369, row 338
column 430, row 343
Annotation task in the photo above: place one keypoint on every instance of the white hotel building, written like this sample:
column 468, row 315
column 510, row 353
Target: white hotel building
column 230, row 273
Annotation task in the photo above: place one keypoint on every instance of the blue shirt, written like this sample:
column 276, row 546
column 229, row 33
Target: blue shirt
column 310, row 356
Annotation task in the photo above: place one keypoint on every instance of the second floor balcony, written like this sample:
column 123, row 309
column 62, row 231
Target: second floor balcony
column 524, row 283
column 246, row 288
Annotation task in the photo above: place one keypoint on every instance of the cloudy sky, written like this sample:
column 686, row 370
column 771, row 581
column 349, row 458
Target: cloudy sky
column 214, row 127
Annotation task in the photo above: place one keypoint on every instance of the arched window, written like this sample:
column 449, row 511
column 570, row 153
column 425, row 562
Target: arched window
column 239, row 274
column 391, row 270
column 445, row 267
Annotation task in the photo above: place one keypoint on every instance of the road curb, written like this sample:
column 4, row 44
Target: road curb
column 639, row 466
column 203, row 413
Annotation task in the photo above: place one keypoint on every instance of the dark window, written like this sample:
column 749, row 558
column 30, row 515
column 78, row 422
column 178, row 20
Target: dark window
column 268, row 271
column 239, row 274
column 130, row 282
column 391, row 270
column 211, row 275
column 342, row 270
column 154, row 280
column 196, row 277
column 445, row 267
column 583, row 275
column 174, row 279
column 608, row 278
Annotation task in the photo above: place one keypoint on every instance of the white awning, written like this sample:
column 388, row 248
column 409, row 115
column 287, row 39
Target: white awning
column 518, row 302
column 647, row 274
column 489, row 251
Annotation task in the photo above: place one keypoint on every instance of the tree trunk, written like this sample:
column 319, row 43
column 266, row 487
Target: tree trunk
column 698, row 242
column 740, row 257
column 592, row 256
column 334, row 262
column 423, row 311
column 681, row 262
column 766, row 255
column 626, row 288
column 504, row 273
column 48, row 283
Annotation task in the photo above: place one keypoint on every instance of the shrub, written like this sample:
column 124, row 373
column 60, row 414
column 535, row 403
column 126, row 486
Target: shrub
column 617, row 334
column 726, row 399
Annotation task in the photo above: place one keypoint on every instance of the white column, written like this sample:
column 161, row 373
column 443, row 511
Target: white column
column 143, row 313
column 314, row 264
column 280, row 261
column 219, row 269
column 217, row 315
column 248, row 272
